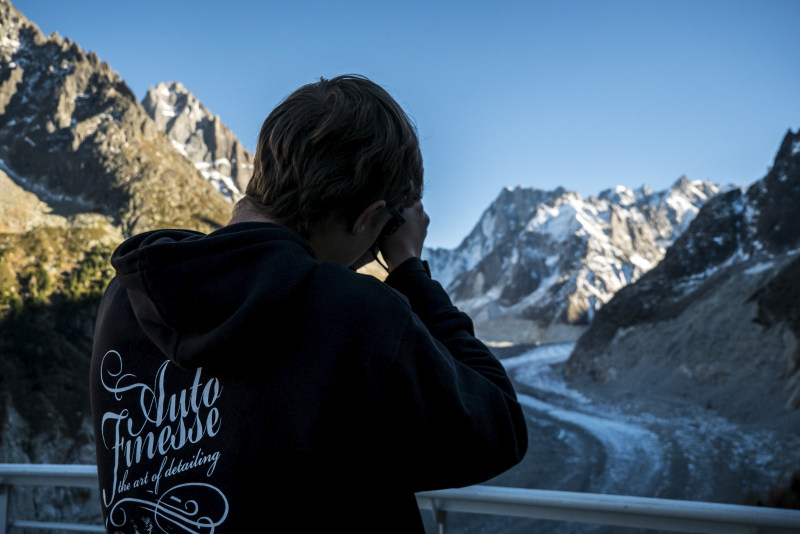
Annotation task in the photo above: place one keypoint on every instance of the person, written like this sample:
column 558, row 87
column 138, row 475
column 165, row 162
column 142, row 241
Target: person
column 252, row 379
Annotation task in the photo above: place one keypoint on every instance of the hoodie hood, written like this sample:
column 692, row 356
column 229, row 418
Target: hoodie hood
column 192, row 293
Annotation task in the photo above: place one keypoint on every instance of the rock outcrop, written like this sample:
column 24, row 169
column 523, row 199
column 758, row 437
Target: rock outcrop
column 201, row 136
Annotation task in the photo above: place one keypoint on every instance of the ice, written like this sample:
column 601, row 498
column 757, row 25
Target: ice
column 635, row 454
column 646, row 448
column 534, row 368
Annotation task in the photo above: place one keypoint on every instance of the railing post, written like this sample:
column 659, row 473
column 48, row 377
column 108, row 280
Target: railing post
column 4, row 491
column 439, row 516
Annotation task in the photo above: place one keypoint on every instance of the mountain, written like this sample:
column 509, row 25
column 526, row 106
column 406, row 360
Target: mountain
column 690, row 290
column 201, row 136
column 717, row 321
column 72, row 132
column 539, row 264
column 82, row 166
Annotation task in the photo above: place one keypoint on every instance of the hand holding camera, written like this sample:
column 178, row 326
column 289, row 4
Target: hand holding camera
column 404, row 235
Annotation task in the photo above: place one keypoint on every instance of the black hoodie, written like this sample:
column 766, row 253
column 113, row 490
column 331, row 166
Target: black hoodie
column 240, row 385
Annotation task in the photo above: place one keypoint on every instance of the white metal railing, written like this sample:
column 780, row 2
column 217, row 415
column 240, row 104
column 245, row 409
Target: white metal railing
column 599, row 509
column 80, row 476
column 615, row 510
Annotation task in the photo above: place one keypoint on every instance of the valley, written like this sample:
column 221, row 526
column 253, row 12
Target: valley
column 633, row 445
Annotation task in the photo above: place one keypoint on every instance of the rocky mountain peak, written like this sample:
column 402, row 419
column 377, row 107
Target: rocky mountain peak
column 539, row 263
column 773, row 208
column 73, row 134
column 201, row 136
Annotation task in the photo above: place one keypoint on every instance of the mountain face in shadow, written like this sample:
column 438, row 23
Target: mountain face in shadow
column 717, row 319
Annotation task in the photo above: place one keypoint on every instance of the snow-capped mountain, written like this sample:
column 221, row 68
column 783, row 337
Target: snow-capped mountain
column 201, row 136
column 691, row 289
column 538, row 264
column 719, row 317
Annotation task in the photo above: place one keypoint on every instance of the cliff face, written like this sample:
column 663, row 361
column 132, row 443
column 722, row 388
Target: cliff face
column 717, row 319
column 201, row 136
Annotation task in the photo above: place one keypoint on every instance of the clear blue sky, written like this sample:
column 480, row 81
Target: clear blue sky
column 581, row 94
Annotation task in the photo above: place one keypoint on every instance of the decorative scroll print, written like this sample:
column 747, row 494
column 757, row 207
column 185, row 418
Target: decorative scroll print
column 155, row 440
column 178, row 510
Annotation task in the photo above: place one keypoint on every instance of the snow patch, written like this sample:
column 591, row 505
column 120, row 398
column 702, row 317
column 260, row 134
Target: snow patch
column 180, row 147
column 165, row 109
column 9, row 44
column 759, row 268
column 223, row 183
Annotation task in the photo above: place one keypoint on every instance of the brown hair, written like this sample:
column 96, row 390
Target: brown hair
column 332, row 148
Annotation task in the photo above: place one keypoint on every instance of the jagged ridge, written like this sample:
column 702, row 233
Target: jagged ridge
column 539, row 264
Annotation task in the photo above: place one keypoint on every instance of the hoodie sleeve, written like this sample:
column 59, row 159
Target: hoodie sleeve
column 466, row 424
